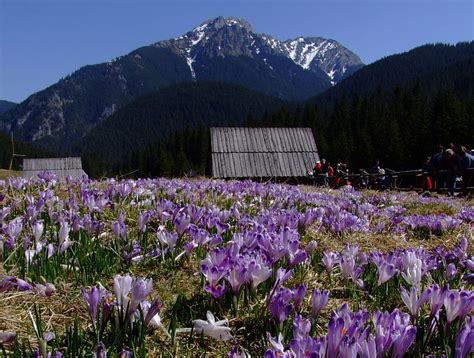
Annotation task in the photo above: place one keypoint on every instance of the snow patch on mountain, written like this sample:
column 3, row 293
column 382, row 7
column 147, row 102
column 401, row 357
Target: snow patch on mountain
column 199, row 33
column 190, row 62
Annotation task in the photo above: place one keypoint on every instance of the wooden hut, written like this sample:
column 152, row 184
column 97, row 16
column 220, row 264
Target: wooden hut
column 262, row 152
column 62, row 167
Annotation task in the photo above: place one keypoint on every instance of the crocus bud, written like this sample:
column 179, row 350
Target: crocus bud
column 319, row 300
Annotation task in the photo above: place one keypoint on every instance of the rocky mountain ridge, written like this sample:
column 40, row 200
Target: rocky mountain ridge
column 224, row 49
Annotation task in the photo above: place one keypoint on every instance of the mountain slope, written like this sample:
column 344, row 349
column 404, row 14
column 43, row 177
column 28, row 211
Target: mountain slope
column 65, row 111
column 223, row 49
column 155, row 117
column 401, row 70
column 395, row 110
column 6, row 106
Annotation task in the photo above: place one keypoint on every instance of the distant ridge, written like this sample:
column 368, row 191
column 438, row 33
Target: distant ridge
column 6, row 106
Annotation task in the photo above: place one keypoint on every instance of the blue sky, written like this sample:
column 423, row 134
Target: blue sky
column 44, row 40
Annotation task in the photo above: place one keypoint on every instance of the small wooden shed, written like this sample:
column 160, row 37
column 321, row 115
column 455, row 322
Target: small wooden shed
column 262, row 152
column 62, row 167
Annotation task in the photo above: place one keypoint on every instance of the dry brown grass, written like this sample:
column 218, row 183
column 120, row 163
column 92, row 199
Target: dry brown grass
column 385, row 242
column 5, row 173
column 61, row 309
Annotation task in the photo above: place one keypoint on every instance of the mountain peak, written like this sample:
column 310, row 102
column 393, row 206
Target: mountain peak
column 223, row 21
column 222, row 37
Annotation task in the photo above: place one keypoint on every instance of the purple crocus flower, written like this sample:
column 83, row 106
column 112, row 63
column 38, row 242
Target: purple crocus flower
column 404, row 341
column 48, row 336
column 308, row 347
column 467, row 304
column 259, row 272
column 319, row 300
column 107, row 305
column 452, row 303
column 296, row 258
column 468, row 278
column 469, row 264
column 140, row 290
column 465, row 340
column 119, row 228
column 221, row 227
column 388, row 327
column 100, row 351
column 336, row 331
column 237, row 276
column 7, row 337
column 279, row 304
column 181, row 222
column 37, row 228
column 451, row 271
column 142, row 221
column 213, row 284
column 368, row 348
column 329, row 260
column 385, row 272
column 277, row 350
column 153, row 310
column 125, row 354
column 282, row 275
column 411, row 299
column 8, row 283
column 301, row 327
column 64, row 241
column 298, row 295
column 311, row 247
column 14, row 228
column 437, row 298
column 92, row 299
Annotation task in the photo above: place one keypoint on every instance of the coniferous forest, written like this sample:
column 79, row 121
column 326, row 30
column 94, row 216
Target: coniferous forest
column 396, row 122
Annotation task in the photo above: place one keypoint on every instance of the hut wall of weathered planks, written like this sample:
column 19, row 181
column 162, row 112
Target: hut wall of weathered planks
column 262, row 152
column 62, row 167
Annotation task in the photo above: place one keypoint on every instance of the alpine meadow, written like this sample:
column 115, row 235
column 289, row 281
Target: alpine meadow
column 306, row 191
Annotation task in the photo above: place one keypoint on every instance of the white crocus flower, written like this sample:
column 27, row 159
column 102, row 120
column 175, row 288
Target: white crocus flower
column 217, row 330
column 413, row 273
column 122, row 288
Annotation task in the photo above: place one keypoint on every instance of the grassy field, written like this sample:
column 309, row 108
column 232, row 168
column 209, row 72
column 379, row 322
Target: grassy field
column 5, row 173
column 222, row 247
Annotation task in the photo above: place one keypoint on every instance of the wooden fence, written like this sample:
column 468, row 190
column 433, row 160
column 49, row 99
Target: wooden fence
column 400, row 180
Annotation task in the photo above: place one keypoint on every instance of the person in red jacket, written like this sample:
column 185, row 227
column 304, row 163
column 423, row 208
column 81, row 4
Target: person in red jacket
column 317, row 170
column 331, row 178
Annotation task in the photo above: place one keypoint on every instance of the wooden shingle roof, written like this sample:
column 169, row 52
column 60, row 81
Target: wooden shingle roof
column 262, row 152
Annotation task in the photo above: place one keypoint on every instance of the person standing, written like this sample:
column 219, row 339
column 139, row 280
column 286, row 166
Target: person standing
column 466, row 161
column 449, row 163
column 324, row 170
column 317, row 172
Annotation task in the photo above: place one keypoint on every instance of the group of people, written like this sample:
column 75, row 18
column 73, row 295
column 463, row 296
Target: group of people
column 325, row 174
column 449, row 168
